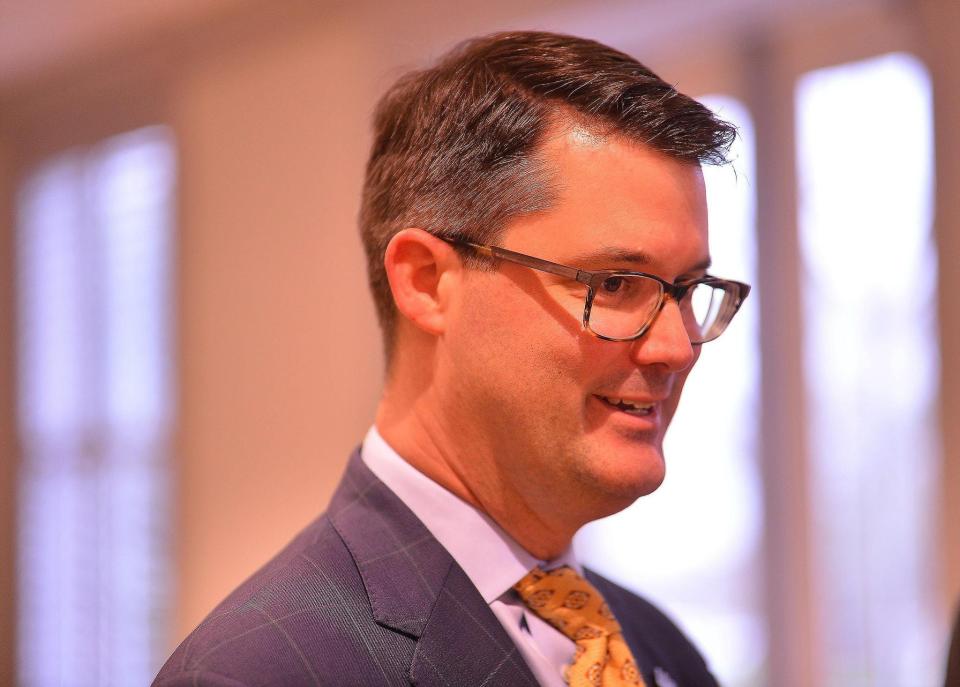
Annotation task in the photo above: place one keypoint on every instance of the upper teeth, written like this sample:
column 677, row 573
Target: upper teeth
column 636, row 406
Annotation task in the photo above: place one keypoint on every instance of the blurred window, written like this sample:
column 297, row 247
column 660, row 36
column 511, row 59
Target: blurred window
column 704, row 564
column 95, row 411
column 865, row 152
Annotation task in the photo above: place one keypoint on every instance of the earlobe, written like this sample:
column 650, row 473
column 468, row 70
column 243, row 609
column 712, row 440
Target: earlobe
column 420, row 268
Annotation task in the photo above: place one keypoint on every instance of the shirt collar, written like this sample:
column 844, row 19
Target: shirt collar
column 489, row 556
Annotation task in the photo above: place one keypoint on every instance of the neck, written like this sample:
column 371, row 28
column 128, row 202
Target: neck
column 447, row 453
column 427, row 419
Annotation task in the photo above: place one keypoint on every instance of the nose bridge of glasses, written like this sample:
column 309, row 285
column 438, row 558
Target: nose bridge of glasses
column 676, row 292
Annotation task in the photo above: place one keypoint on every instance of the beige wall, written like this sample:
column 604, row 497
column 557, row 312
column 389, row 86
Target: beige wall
column 280, row 358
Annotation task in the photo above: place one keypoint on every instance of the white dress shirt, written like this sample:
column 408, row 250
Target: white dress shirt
column 492, row 560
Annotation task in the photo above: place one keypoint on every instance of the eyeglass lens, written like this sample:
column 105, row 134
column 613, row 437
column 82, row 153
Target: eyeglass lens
column 626, row 304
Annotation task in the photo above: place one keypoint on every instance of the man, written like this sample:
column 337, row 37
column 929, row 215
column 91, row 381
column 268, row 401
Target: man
column 536, row 226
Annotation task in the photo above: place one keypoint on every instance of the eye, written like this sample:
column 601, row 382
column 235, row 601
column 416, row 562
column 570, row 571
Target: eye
column 612, row 284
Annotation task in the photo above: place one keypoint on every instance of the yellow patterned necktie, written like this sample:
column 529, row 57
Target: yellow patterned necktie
column 575, row 607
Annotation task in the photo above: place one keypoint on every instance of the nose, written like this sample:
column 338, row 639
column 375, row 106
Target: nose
column 666, row 342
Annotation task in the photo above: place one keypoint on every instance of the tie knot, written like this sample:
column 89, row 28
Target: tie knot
column 568, row 602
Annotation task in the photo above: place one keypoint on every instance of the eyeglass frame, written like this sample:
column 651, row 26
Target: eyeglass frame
column 591, row 279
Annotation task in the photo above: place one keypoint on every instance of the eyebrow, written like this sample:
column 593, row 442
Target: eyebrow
column 610, row 255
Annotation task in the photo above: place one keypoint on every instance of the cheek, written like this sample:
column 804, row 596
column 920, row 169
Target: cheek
column 484, row 328
column 513, row 350
column 483, row 343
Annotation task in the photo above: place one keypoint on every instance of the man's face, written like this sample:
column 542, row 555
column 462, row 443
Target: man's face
column 530, row 384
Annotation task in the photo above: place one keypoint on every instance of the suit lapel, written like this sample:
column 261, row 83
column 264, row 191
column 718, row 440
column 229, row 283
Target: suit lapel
column 415, row 587
column 464, row 644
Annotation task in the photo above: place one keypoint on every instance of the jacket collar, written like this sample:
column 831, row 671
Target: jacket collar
column 403, row 567
column 415, row 587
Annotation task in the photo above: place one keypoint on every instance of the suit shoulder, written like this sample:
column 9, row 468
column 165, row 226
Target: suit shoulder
column 655, row 634
column 304, row 615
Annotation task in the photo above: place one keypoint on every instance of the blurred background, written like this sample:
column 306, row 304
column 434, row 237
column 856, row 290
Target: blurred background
column 188, row 352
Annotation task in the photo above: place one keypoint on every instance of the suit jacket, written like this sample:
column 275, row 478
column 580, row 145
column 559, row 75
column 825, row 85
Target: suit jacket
column 366, row 596
column 952, row 677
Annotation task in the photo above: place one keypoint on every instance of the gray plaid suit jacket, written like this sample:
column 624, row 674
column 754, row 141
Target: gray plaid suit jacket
column 366, row 596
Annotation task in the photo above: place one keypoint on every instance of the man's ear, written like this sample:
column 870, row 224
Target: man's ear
column 423, row 271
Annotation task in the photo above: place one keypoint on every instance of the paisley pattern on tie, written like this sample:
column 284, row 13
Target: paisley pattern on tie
column 575, row 607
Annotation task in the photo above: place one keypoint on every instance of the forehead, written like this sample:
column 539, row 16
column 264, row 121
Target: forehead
column 615, row 198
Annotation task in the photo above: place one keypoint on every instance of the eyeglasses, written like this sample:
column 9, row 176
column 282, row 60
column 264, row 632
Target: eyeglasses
column 621, row 305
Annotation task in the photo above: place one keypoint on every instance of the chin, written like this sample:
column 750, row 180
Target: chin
column 623, row 476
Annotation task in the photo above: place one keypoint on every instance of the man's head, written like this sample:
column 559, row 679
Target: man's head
column 566, row 150
column 456, row 147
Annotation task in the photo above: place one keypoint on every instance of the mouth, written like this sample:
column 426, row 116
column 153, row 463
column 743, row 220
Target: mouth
column 629, row 407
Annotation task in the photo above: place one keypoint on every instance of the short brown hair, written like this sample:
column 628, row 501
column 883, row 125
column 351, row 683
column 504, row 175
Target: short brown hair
column 455, row 146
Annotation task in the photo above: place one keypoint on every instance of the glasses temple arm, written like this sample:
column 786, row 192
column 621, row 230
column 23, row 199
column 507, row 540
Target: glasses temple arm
column 532, row 262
